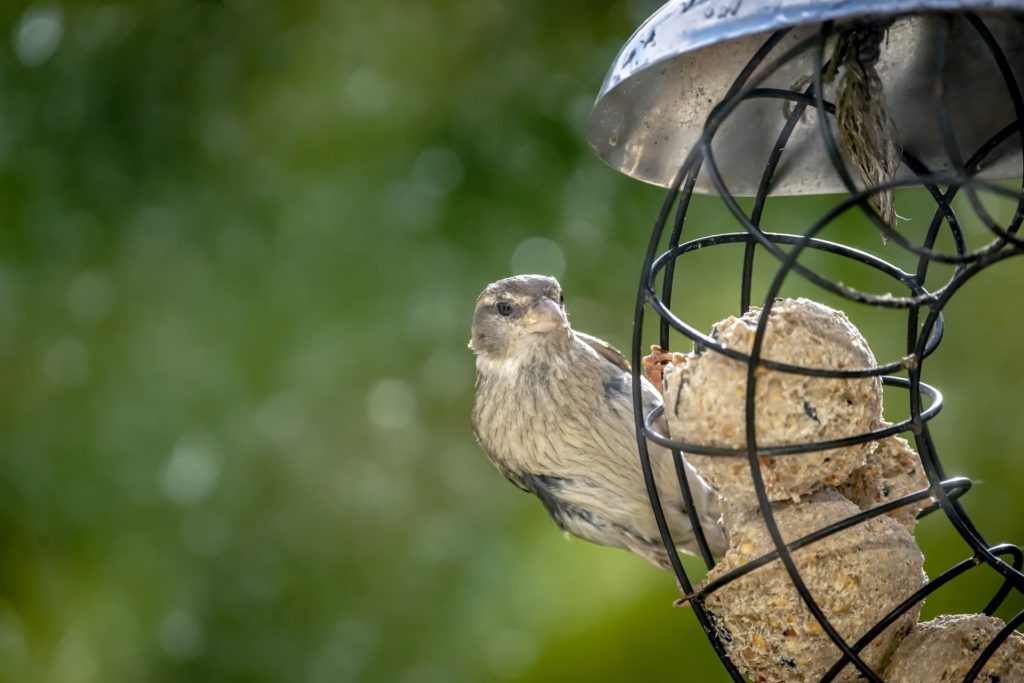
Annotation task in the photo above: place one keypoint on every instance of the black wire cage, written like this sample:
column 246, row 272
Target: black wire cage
column 952, row 77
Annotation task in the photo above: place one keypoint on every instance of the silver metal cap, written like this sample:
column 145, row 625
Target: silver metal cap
column 681, row 62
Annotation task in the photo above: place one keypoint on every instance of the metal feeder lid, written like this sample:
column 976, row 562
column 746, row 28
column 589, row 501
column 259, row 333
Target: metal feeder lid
column 682, row 60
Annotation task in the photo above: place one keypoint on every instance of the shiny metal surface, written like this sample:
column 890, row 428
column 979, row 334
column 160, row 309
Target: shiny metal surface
column 683, row 59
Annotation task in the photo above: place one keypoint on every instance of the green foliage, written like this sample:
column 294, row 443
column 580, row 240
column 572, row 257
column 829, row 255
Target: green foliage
column 239, row 246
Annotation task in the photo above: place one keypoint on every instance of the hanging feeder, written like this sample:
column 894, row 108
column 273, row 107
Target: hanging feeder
column 779, row 406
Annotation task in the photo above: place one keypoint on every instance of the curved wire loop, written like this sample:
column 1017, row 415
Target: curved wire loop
column 788, row 251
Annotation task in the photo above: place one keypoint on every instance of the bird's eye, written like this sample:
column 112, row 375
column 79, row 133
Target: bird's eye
column 504, row 308
column 561, row 298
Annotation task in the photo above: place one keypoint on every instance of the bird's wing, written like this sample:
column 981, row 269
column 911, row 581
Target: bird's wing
column 651, row 396
column 607, row 351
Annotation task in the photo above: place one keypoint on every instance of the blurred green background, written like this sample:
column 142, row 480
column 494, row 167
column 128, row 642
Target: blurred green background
column 239, row 247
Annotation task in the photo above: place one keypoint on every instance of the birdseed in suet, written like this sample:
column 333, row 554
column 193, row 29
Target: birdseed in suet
column 891, row 471
column 857, row 576
column 944, row 649
column 705, row 401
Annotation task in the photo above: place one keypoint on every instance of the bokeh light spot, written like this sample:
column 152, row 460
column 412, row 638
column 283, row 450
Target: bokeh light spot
column 75, row 658
column 191, row 471
column 392, row 405
column 538, row 255
column 181, row 634
column 368, row 93
column 38, row 34
column 584, row 233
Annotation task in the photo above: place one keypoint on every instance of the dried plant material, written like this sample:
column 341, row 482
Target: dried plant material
column 655, row 362
column 944, row 650
column 856, row 576
column 891, row 471
column 866, row 131
column 705, row 401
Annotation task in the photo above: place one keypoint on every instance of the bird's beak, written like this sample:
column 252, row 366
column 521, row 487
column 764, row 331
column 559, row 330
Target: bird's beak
column 545, row 315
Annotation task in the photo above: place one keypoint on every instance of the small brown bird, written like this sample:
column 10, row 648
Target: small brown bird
column 554, row 413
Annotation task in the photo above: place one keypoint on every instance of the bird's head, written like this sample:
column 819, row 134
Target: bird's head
column 517, row 313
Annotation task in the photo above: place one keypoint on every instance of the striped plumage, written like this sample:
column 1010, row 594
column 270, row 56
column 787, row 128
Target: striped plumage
column 554, row 413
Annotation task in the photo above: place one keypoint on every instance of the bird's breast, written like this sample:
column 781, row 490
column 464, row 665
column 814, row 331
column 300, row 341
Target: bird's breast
column 553, row 417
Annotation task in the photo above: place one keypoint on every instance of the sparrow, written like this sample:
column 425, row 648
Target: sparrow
column 554, row 412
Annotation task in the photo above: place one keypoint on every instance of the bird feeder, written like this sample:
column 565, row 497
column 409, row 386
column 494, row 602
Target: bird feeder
column 749, row 101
